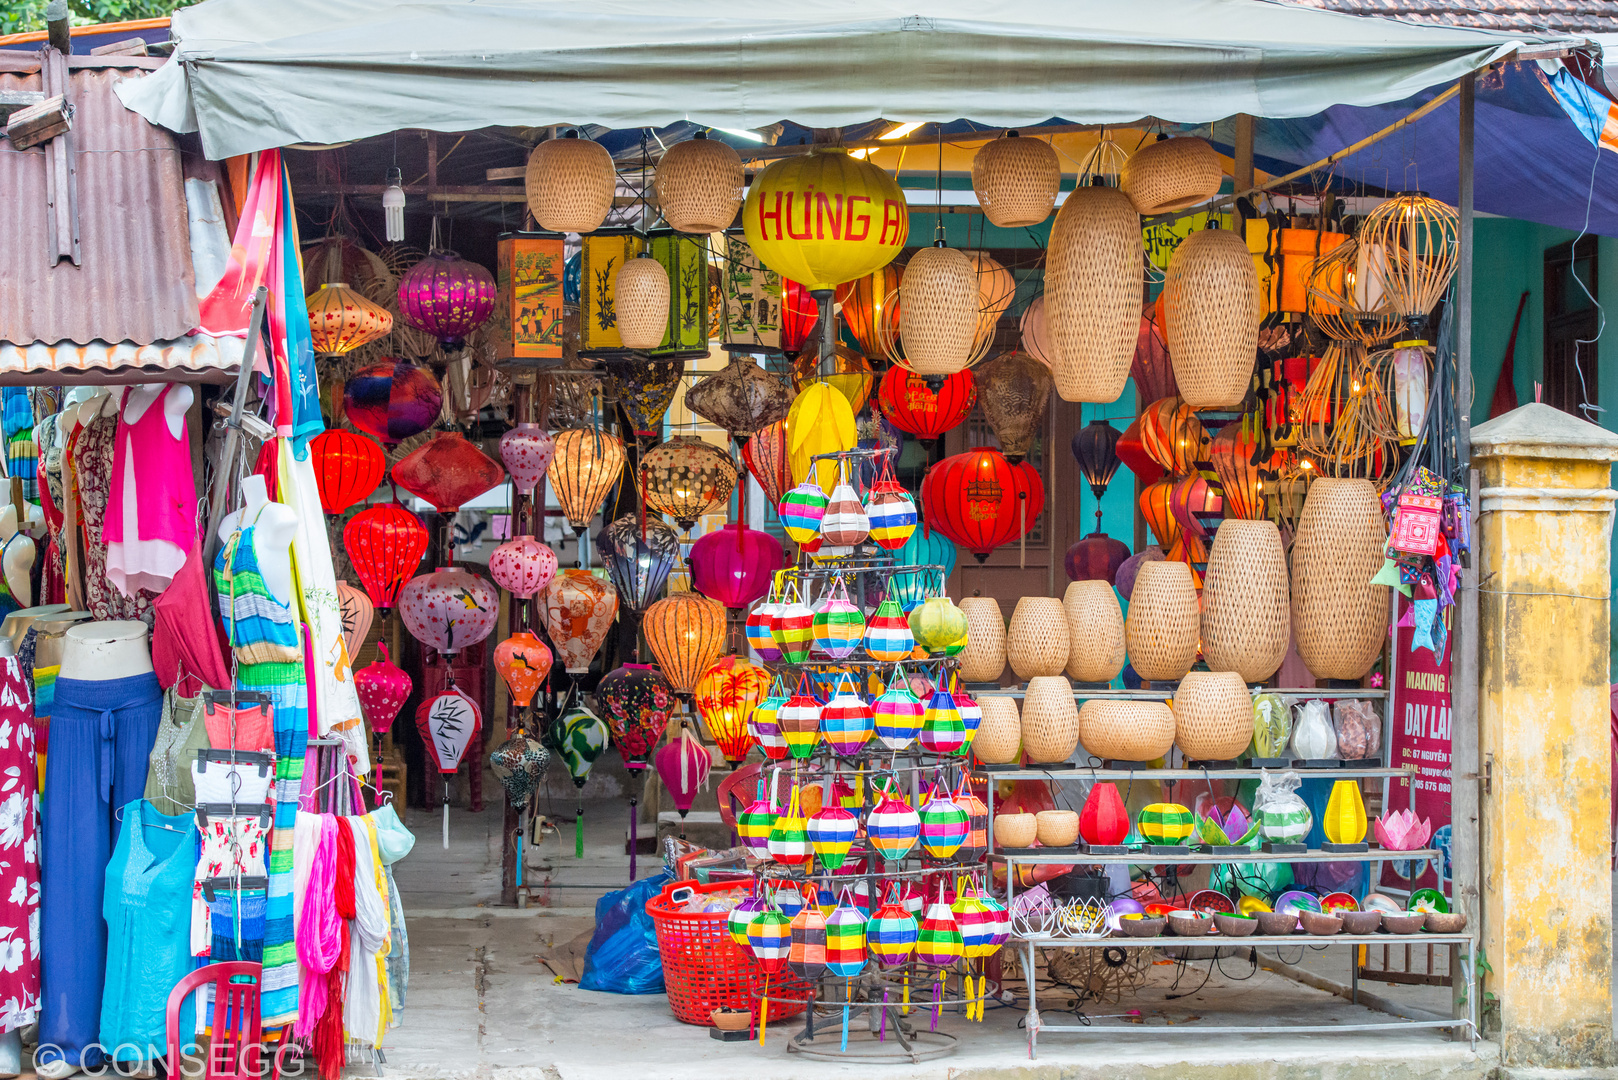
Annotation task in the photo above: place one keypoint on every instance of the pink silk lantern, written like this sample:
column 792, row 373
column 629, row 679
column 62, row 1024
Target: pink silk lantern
column 383, row 688
column 527, row 451
column 735, row 565
column 447, row 472
column 358, row 613
column 522, row 566
column 579, row 609
column 446, row 296
column 449, row 609
column 683, row 767
column 524, row 662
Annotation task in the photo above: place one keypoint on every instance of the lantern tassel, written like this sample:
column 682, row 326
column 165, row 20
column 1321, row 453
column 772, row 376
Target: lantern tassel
column 904, row 1002
column 882, row 1026
column 764, row 1009
column 938, row 997
column 446, row 820
column 578, row 833
column 1022, row 523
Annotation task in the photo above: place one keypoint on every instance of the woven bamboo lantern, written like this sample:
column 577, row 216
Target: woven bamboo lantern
column 1211, row 300
column 1412, row 246
column 1161, row 629
column 938, row 319
column 1126, row 730
column 984, row 658
column 1171, row 175
column 1056, row 828
column 1050, row 720
column 1092, row 294
column 1036, row 643
column 1015, row 830
column 1016, row 180
column 570, row 183
column 342, row 319
column 1095, row 631
column 641, row 298
column 700, row 185
column 1246, row 606
column 588, row 462
column 1339, row 618
column 1213, row 716
column 999, row 737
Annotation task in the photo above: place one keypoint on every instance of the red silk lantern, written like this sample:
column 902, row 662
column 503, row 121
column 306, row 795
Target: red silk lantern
column 383, row 688
column 447, row 472
column 524, row 662
column 683, row 766
column 980, row 500
column 799, row 313
column 348, row 467
column 446, row 296
column 735, row 565
column 1104, row 820
column 769, row 459
column 1131, row 451
column 385, row 543
column 1150, row 368
column 913, row 406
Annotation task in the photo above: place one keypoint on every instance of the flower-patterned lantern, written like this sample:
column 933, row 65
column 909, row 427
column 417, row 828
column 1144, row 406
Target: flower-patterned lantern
column 527, row 451
column 726, row 697
column 645, row 388
column 637, row 560
column 636, row 702
column 383, row 688
column 522, row 566
column 686, row 477
column 524, row 663
column 588, row 463
column 1015, row 390
column 735, row 565
column 915, row 407
column 579, row 609
column 446, row 296
column 348, row 467
column 392, row 400
column 342, row 319
column 385, row 543
column 769, row 460
column 449, row 608
column 687, row 634
column 447, row 471
column 980, row 500
column 741, row 398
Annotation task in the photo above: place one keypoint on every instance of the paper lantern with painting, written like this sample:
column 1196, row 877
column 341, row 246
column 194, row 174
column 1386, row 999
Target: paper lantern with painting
column 524, row 663
column 578, row 611
column 726, row 697
column 449, row 609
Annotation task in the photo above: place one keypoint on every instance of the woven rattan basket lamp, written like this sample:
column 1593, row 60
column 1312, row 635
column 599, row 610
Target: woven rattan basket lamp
column 1092, row 294
column 1050, row 720
column 1161, row 628
column 999, row 737
column 938, row 313
column 1339, row 618
column 570, row 183
column 1095, row 631
column 1126, row 730
column 1036, row 643
column 700, row 185
column 1211, row 301
column 1246, row 602
column 1213, row 716
column 1016, row 180
column 1413, row 246
column 641, row 299
column 1171, row 174
column 984, row 658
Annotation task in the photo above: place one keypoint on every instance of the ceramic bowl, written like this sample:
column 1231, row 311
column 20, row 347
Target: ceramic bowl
column 731, row 1019
column 1235, row 925
column 1445, row 922
column 1190, row 923
column 1407, row 922
column 1319, row 923
column 1142, row 927
column 1362, row 922
column 1277, row 923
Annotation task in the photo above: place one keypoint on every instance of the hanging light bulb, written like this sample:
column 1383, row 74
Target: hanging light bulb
column 393, row 203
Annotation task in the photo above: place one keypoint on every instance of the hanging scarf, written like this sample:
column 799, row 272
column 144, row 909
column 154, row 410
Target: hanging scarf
column 368, row 934
column 327, row 1044
column 319, row 932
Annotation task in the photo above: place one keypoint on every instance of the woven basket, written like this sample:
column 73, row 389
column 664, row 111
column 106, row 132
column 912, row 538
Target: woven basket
column 1161, row 629
column 1211, row 305
column 1213, row 716
column 938, row 313
column 641, row 299
column 1015, row 830
column 1056, row 828
column 1126, row 730
column 1037, row 642
column 1050, row 720
column 1171, row 175
column 999, row 737
column 1016, row 181
column 1246, row 605
column 1339, row 619
column 570, row 183
column 984, row 658
column 1092, row 294
column 700, row 185
column 1095, row 631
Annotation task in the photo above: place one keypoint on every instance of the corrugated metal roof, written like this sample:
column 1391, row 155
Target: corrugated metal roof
column 135, row 282
column 1557, row 16
column 198, row 358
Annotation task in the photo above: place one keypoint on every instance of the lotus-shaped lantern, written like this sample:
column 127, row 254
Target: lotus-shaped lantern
column 1230, row 827
column 1402, row 831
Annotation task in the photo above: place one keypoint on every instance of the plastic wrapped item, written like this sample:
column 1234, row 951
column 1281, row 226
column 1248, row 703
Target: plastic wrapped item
column 1284, row 817
column 1272, row 726
column 622, row 957
column 1358, row 729
column 1313, row 738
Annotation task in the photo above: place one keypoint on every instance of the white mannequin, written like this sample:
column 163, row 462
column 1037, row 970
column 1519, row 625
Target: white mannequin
column 16, row 625
column 137, row 399
column 97, row 403
column 52, row 635
column 99, row 651
column 16, row 560
column 274, row 525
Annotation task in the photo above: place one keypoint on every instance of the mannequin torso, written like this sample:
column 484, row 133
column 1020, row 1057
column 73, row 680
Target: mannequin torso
column 273, row 527
column 16, row 559
column 101, row 651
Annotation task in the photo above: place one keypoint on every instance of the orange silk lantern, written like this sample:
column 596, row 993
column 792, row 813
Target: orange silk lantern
column 726, row 696
column 348, row 467
column 1232, row 455
column 769, row 459
column 341, row 319
column 385, row 543
column 579, row 609
column 687, row 633
column 1172, row 435
column 1156, row 508
column 870, row 306
column 524, row 662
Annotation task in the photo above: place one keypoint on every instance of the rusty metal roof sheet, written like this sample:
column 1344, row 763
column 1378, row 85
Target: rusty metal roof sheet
column 135, row 283
column 197, row 358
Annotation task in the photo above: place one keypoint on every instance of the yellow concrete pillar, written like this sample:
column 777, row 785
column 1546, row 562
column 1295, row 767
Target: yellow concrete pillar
column 1546, row 508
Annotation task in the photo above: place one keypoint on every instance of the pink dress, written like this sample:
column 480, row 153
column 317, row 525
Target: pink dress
column 19, row 852
column 151, row 519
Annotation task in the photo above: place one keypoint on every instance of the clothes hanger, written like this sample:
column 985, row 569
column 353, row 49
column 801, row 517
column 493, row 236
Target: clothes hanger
column 119, row 814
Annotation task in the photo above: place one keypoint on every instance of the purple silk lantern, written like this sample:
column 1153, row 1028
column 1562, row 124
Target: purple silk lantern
column 446, row 296
column 683, row 767
column 735, row 565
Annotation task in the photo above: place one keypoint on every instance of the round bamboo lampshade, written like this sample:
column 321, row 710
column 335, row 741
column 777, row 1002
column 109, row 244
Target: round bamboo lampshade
column 1050, row 720
column 984, row 658
column 1016, row 180
column 570, row 183
column 1036, row 643
column 1015, row 830
column 1213, row 716
column 1246, row 603
column 1095, row 631
column 1161, row 628
column 700, row 185
column 1092, row 294
column 1171, row 175
column 1126, row 730
column 1340, row 620
column 1211, row 300
column 999, row 737
column 587, row 463
column 938, row 319
column 641, row 299
column 1056, row 828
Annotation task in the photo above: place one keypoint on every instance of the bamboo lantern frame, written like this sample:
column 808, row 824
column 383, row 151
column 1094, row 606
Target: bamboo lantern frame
column 1050, row 719
column 1348, row 427
column 1213, row 716
column 1126, row 730
column 1162, row 626
column 1419, row 238
column 1037, row 641
column 1331, row 301
column 1105, row 162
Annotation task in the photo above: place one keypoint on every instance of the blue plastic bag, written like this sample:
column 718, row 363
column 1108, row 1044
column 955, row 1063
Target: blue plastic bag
column 622, row 957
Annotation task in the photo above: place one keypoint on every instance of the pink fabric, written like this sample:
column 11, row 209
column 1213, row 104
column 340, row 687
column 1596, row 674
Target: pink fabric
column 240, row 728
column 320, row 929
column 164, row 498
column 185, row 639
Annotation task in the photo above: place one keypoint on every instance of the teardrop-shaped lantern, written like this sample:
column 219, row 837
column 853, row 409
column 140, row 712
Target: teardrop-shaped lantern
column 1092, row 294
column 358, row 614
column 1034, row 334
column 522, row 566
column 1095, row 448
column 588, row 463
column 1016, row 392
column 741, row 398
column 524, row 662
column 1104, row 821
column 726, row 697
column 446, row 296
column 686, row 477
column 383, row 688
column 636, row 702
column 449, row 608
column 700, row 185
column 527, row 450
column 870, row 307
column 638, row 560
column 641, row 298
column 342, row 319
column 683, row 767
column 392, row 400
column 385, row 543
column 570, row 183
column 348, row 467
column 645, row 388
column 578, row 611
column 939, row 320
column 687, row 634
column 1211, row 300
column 447, row 471
column 1016, row 180
column 734, row 565
column 916, row 407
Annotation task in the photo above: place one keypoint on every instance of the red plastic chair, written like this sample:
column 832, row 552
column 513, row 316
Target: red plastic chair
column 235, row 1050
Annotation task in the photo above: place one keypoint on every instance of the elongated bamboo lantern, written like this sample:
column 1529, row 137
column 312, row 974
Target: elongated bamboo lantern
column 1171, row 174
column 938, row 315
column 1213, row 716
column 1246, row 601
column 1161, row 628
column 1339, row 618
column 1016, row 180
column 1092, row 294
column 984, row 658
column 1211, row 301
column 1036, row 643
column 999, row 737
column 641, row 299
column 1095, row 631
column 570, row 183
column 1050, row 720
column 1126, row 730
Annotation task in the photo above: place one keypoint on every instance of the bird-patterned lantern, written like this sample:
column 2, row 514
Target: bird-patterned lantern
column 820, row 422
column 942, row 731
column 687, row 634
column 897, row 714
column 524, row 663
column 726, row 697
column 981, row 501
column 638, row 556
column 578, row 610
column 637, row 702
column 392, row 400
column 845, row 940
column 342, row 319
column 944, row 825
column 888, row 638
column 588, row 463
column 831, row 834
column 838, row 625
column 348, row 467
column 1104, row 820
column 522, row 566
column 937, row 624
column 446, row 296
column 686, row 477
column 892, row 828
column 874, row 220
column 891, row 934
column 741, row 398
column 789, row 837
column 1165, row 823
column 769, row 459
column 802, row 510
column 527, row 451
column 916, row 408
column 938, row 940
column 799, row 720
column 449, row 609
column 846, row 722
column 793, row 627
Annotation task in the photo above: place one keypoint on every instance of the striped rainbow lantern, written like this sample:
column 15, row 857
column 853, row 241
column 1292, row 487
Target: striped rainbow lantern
column 789, row 839
column 941, row 729
column 770, row 939
column 765, row 725
column 892, row 514
column 845, row 940
column 938, row 942
column 831, row 833
column 891, row 934
column 971, row 713
column 892, row 828
column 888, row 636
column 977, row 825
column 802, row 510
column 846, row 723
column 1002, row 919
column 1165, row 823
column 754, row 823
column 976, row 921
column 837, row 624
column 741, row 918
column 844, row 525
column 913, row 899
column 849, row 796
column 792, row 627
column 788, row 900
column 799, row 720
column 944, row 825
column 898, row 714
column 806, row 956
column 760, row 632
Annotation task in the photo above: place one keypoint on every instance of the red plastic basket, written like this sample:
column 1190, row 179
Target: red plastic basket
column 703, row 970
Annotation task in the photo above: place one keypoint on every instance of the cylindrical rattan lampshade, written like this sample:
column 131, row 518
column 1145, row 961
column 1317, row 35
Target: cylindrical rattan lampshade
column 1211, row 299
column 1056, row 828
column 1016, row 180
column 700, row 185
column 1161, row 629
column 570, row 183
column 938, row 315
column 1213, row 716
column 1340, row 619
column 1092, row 294
column 1095, row 631
column 1050, row 720
column 1126, row 730
column 999, row 737
column 984, row 658
column 1246, row 603
column 641, row 299
column 1036, row 643
column 587, row 464
column 1171, row 175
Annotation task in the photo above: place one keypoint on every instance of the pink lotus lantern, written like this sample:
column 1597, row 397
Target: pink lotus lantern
column 683, row 767
column 446, row 296
column 1402, row 831
column 735, row 565
column 383, row 688
column 522, row 566
column 527, row 451
column 449, row 609
column 1193, row 502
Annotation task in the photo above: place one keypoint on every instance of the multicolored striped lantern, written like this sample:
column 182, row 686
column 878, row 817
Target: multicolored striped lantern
column 754, row 823
column 801, row 510
column 849, row 796
column 937, row 624
column 977, row 825
column 831, row 833
column 788, row 900
column 765, row 728
column 897, row 714
column 888, row 637
column 844, row 525
column 891, row 934
column 892, row 828
column 1165, row 823
column 799, row 720
column 941, row 729
column 741, row 919
column 770, row 939
column 976, row 921
column 938, row 944
column 846, row 722
column 838, row 625
column 891, row 510
column 792, row 627
column 789, row 839
column 971, row 713
column 1002, row 919
column 760, row 635
column 807, row 954
column 845, row 940
column 944, row 824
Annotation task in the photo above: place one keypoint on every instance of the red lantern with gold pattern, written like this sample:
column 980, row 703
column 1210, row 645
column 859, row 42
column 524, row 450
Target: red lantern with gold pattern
column 981, row 501
column 385, row 543
column 348, row 467
column 915, row 407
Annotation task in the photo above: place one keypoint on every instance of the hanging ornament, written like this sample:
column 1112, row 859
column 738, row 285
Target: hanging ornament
column 527, row 451
column 448, row 724
column 446, row 296
column 686, row 477
column 793, row 627
column 1231, row 453
column 1091, row 307
column 580, row 738
column 392, row 400
column 638, row 560
column 683, row 767
column 686, row 633
column 447, row 472
column 799, row 314
column 942, row 731
column 799, row 720
column 1132, row 452
column 734, row 565
column 769, row 460
column 789, row 836
column 342, row 319
column 519, row 764
column 844, row 525
column 578, row 610
column 980, row 500
column 449, row 609
column 831, row 833
column 820, row 423
column 1015, row 390
column 1195, row 504
column 636, row 702
column 888, row 637
column 700, row 185
column 522, row 566
column 760, row 620
column 524, row 663
column 383, row 687
column 726, row 697
column 891, row 934
column 765, row 727
column 588, row 463
column 753, row 827
column 875, row 220
column 802, row 509
column 892, row 828
column 847, row 372
column 348, row 467
column 870, row 307
column 644, row 387
column 922, row 549
column 921, row 410
column 944, row 824
column 741, row 398
column 838, row 625
column 358, row 612
column 938, row 941
column 1156, row 509
column 846, row 722
column 897, row 714
column 1016, row 180
column 890, row 510
column 942, row 303
column 977, row 825
column 570, row 183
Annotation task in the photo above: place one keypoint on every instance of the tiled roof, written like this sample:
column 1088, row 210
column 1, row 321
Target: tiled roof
column 1558, row 16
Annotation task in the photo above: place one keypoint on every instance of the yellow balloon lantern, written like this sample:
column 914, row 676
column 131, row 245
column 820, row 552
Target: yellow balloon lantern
column 823, row 218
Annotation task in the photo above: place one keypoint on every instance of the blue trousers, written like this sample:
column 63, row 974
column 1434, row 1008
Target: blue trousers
column 100, row 741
